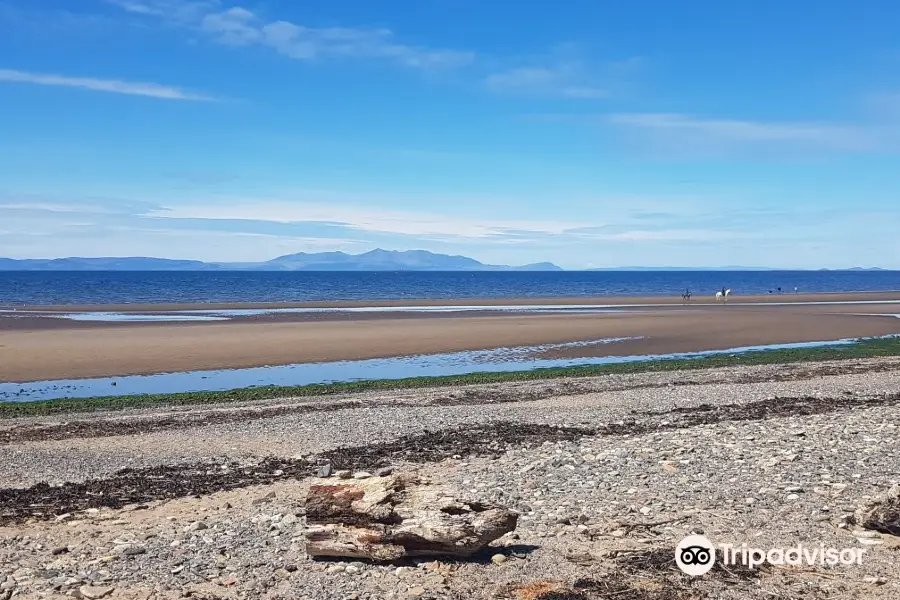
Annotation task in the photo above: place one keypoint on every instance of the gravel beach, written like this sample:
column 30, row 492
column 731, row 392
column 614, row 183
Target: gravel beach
column 606, row 473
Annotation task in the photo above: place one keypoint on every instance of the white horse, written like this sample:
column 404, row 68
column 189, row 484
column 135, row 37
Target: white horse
column 721, row 296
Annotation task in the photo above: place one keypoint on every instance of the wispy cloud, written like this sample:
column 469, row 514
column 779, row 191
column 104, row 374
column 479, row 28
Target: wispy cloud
column 139, row 7
column 258, row 228
column 238, row 26
column 750, row 131
column 362, row 218
column 686, row 133
column 184, row 11
column 152, row 90
column 85, row 205
column 696, row 236
column 561, row 80
column 564, row 72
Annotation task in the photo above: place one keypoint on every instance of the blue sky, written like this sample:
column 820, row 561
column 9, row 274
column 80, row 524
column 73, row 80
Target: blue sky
column 582, row 132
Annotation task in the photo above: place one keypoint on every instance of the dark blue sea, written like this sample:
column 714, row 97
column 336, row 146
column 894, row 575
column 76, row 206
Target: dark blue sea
column 122, row 287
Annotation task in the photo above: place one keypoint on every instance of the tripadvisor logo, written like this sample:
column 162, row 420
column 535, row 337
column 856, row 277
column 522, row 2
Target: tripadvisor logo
column 696, row 555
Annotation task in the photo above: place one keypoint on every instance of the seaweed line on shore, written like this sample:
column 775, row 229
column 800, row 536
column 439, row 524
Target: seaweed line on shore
column 141, row 486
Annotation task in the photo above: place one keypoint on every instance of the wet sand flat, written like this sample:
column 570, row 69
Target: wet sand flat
column 63, row 351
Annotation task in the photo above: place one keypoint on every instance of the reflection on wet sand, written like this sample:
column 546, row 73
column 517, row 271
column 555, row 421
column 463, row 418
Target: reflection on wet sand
column 521, row 358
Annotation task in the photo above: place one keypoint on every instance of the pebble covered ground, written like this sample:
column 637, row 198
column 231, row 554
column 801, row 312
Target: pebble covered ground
column 602, row 504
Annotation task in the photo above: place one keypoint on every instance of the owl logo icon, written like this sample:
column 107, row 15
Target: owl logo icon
column 695, row 555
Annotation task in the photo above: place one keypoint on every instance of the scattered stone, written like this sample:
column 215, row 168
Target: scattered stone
column 384, row 472
column 94, row 592
column 129, row 550
column 343, row 474
column 498, row 559
column 59, row 550
column 869, row 541
column 262, row 499
column 196, row 526
column 362, row 475
column 324, row 471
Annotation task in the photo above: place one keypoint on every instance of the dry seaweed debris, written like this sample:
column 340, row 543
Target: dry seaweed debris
column 650, row 574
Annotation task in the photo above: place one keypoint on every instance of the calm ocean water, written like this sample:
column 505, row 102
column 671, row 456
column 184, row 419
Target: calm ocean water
column 159, row 287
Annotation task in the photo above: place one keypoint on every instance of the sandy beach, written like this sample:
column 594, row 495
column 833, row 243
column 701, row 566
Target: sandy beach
column 449, row 301
column 36, row 347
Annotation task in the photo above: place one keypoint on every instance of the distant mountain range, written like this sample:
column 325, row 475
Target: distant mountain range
column 375, row 260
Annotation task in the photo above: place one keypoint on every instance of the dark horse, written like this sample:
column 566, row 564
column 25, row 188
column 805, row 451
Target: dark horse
column 686, row 295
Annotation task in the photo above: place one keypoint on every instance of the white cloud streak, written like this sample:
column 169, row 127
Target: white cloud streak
column 177, row 11
column 259, row 228
column 564, row 81
column 566, row 71
column 238, row 26
column 672, row 235
column 151, row 90
column 361, row 218
column 691, row 132
column 434, row 226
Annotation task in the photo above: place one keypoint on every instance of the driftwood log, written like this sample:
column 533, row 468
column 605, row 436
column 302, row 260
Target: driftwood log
column 883, row 514
column 388, row 518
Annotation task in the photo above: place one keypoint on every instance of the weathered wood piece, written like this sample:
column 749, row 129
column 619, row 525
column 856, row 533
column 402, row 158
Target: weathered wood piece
column 387, row 518
column 883, row 514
